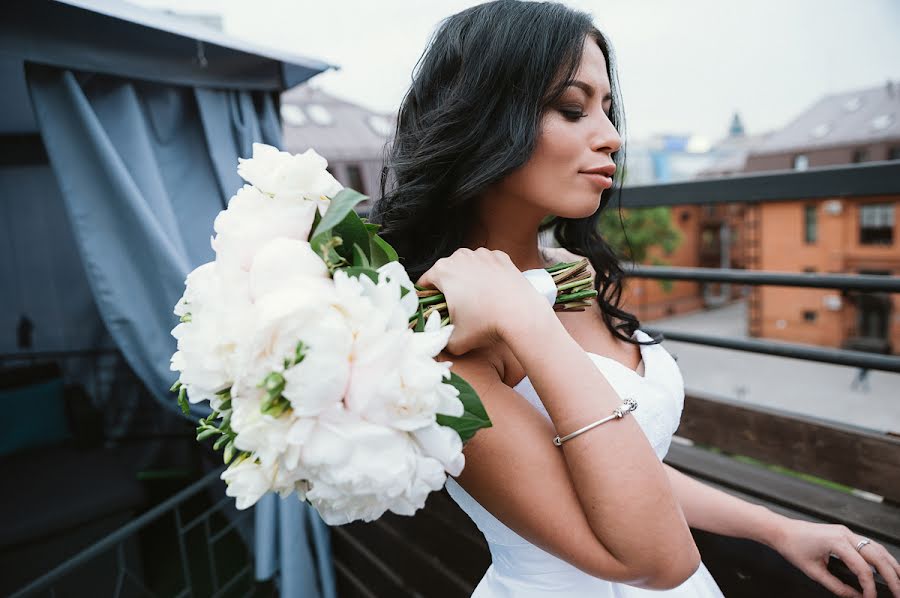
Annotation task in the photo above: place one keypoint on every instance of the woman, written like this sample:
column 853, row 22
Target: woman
column 509, row 108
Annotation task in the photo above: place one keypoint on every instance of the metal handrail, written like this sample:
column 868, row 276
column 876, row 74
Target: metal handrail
column 121, row 534
column 857, row 282
column 848, row 181
column 860, row 359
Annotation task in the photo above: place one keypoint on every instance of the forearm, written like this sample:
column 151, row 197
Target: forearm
column 712, row 510
column 619, row 480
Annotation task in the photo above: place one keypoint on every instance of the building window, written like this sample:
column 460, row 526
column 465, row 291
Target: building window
column 355, row 179
column 685, row 216
column 809, row 315
column 894, row 153
column 810, row 224
column 860, row 155
column 801, row 162
column 876, row 224
column 809, row 269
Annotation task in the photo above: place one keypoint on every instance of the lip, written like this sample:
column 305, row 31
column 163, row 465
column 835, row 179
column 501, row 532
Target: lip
column 601, row 180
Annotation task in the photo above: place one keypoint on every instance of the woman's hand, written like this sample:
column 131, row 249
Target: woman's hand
column 809, row 545
column 486, row 296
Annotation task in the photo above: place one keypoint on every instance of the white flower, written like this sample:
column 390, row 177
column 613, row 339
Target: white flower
column 247, row 481
column 444, row 444
column 385, row 295
column 263, row 435
column 217, row 320
column 396, row 382
column 289, row 176
column 360, row 469
column 283, row 263
column 252, row 219
column 282, row 320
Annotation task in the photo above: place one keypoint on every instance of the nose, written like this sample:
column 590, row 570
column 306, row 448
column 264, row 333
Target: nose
column 604, row 136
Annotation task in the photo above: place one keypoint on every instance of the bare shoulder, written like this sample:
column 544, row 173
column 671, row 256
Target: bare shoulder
column 503, row 462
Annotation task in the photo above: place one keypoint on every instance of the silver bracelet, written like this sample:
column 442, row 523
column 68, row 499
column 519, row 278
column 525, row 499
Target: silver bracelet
column 618, row 412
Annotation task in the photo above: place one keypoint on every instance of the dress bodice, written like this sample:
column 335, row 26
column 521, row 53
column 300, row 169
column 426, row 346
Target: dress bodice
column 660, row 397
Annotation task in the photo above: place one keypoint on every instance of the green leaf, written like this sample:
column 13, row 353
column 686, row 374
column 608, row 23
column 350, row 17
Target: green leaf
column 474, row 416
column 182, row 400
column 359, row 257
column 341, row 205
column 352, row 231
column 207, row 433
column 317, row 218
column 229, row 451
column 381, row 252
column 357, row 271
column 221, row 441
column 372, row 228
column 420, row 320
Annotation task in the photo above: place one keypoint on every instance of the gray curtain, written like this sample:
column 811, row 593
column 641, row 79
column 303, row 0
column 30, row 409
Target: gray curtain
column 143, row 168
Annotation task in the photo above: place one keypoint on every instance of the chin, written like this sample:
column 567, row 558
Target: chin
column 580, row 209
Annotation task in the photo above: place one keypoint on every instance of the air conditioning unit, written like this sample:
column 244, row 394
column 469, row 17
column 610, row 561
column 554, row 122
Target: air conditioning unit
column 832, row 302
column 833, row 207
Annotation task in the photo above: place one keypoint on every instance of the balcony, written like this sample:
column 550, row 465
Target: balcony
column 801, row 466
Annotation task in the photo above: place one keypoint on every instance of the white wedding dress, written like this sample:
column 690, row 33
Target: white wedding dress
column 520, row 569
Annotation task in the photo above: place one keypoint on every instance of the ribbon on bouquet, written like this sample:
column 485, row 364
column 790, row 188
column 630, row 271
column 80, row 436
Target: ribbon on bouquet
column 543, row 282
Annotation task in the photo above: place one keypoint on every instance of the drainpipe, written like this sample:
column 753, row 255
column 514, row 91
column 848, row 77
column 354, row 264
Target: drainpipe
column 724, row 295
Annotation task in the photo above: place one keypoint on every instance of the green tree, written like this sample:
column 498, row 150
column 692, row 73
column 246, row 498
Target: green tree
column 644, row 228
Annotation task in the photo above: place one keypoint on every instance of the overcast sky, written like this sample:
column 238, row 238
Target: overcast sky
column 685, row 66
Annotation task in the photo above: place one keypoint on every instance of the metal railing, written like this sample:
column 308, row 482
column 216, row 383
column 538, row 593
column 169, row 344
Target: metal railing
column 847, row 182
column 218, row 581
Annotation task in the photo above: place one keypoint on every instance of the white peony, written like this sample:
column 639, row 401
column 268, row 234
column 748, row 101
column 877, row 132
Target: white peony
column 282, row 320
column 443, row 444
column 385, row 295
column 216, row 321
column 395, row 380
column 263, row 435
column 360, row 469
column 252, row 219
column 283, row 263
column 247, row 481
column 287, row 176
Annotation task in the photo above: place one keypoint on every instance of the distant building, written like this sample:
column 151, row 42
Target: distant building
column 846, row 235
column 709, row 232
column 350, row 137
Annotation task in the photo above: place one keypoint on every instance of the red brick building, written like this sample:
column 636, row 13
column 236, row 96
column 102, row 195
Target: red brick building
column 845, row 235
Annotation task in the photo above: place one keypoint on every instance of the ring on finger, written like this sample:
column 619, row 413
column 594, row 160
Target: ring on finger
column 862, row 543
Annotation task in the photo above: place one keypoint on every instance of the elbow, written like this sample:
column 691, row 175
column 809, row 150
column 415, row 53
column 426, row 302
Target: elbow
column 673, row 571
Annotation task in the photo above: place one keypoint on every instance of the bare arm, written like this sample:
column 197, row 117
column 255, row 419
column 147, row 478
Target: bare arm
column 601, row 501
column 620, row 483
column 718, row 512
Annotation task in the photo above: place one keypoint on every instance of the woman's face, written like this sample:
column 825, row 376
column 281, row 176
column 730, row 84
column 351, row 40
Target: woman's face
column 576, row 135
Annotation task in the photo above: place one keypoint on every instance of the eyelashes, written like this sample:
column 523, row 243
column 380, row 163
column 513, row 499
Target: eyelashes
column 572, row 115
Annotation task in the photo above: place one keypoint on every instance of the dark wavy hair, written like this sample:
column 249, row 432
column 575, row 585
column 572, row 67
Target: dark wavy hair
column 471, row 116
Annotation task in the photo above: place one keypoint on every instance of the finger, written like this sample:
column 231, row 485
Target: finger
column 878, row 555
column 429, row 277
column 821, row 574
column 858, row 565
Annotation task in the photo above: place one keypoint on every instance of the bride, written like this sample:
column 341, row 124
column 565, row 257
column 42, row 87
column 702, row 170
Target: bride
column 512, row 125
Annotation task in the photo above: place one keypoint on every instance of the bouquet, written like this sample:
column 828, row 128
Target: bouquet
column 316, row 353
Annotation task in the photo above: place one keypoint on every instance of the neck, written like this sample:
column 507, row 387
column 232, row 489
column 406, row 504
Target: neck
column 511, row 228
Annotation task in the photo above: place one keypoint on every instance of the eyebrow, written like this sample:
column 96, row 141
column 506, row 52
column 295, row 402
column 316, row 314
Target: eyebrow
column 587, row 88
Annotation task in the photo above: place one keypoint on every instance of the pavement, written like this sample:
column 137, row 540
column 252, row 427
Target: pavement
column 821, row 390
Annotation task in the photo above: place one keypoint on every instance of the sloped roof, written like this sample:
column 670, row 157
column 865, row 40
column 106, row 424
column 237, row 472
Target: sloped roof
column 853, row 117
column 353, row 133
column 731, row 154
column 117, row 38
